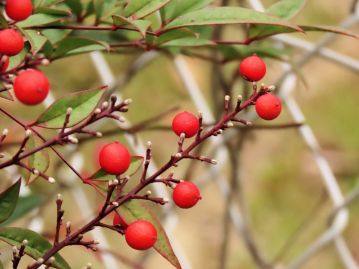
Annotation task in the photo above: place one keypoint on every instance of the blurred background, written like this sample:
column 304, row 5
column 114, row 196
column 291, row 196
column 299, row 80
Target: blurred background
column 276, row 182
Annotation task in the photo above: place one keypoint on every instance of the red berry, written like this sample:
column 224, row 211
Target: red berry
column 5, row 61
column 252, row 68
column 186, row 123
column 186, row 195
column 118, row 220
column 18, row 10
column 141, row 235
column 268, row 106
column 114, row 158
column 11, row 42
column 31, row 87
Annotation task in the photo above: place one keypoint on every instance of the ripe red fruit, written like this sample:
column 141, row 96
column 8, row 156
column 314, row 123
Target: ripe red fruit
column 252, row 68
column 141, row 235
column 268, row 106
column 4, row 63
column 114, row 158
column 31, row 87
column 118, row 220
column 11, row 42
column 186, row 195
column 18, row 10
column 186, row 123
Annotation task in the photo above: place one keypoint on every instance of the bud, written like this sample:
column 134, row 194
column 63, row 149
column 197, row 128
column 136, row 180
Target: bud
column 230, row 124
column 52, row 180
column 28, row 132
column 149, row 144
column 104, row 105
column 73, row 140
column 127, row 101
column 271, row 88
column 45, row 62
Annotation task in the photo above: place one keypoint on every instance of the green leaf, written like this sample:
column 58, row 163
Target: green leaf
column 101, row 175
column 45, row 3
column 54, row 11
column 8, row 200
column 136, row 210
column 19, row 58
column 6, row 95
column 39, row 20
column 37, row 245
column 136, row 163
column 140, row 25
column 3, row 21
column 188, row 42
column 82, row 104
column 98, row 6
column 1, row 265
column 328, row 28
column 264, row 31
column 176, row 8
column 238, row 52
column 37, row 41
column 55, row 35
column 228, row 15
column 24, row 206
column 286, row 9
column 175, row 34
column 39, row 161
column 141, row 8
column 75, row 6
column 76, row 45
column 48, row 50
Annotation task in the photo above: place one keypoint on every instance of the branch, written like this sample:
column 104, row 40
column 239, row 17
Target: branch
column 72, row 238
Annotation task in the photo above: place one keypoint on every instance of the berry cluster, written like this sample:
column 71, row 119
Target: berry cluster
column 115, row 159
column 253, row 69
column 31, row 86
